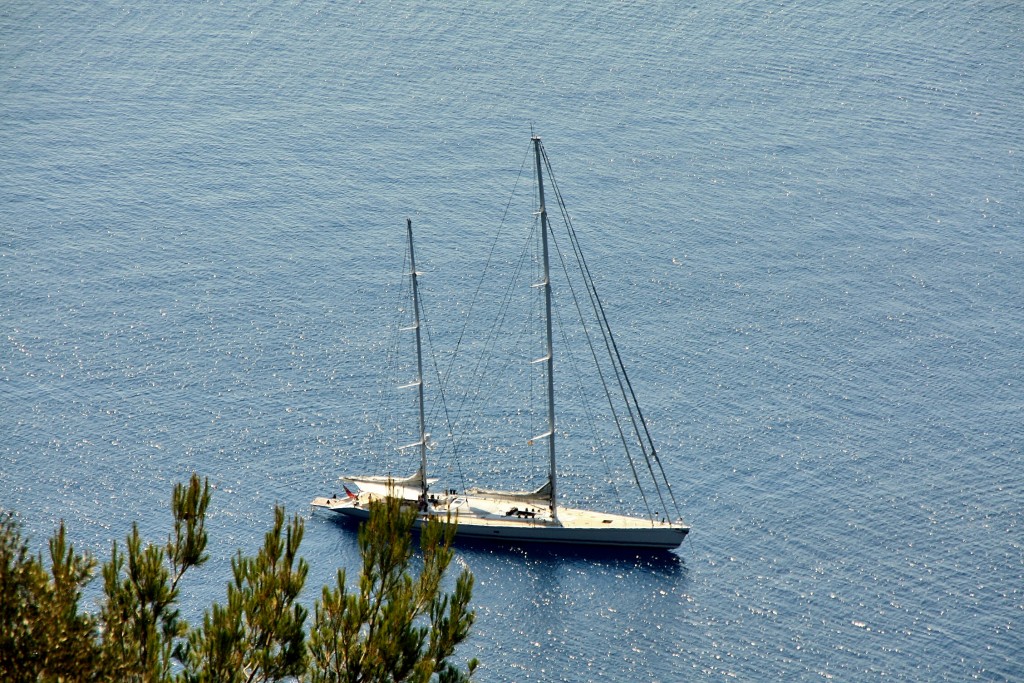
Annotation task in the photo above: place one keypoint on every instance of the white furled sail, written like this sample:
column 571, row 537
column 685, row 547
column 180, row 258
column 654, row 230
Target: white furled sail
column 541, row 496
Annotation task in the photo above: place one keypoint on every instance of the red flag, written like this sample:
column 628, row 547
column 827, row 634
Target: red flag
column 349, row 493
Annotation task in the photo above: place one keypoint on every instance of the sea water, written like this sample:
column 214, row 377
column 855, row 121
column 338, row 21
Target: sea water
column 805, row 220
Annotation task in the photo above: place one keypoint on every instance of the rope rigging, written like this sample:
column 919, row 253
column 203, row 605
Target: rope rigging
column 632, row 431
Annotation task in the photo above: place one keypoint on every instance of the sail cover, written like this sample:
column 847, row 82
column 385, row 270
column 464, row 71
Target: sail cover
column 541, row 496
column 399, row 487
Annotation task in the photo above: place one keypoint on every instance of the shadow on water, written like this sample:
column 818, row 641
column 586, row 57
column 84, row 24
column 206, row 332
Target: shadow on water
column 660, row 561
column 348, row 540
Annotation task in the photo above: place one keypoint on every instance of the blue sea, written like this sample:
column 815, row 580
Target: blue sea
column 806, row 220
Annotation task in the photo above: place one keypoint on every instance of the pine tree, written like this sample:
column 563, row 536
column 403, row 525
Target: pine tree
column 393, row 627
column 43, row 636
column 140, row 618
column 258, row 635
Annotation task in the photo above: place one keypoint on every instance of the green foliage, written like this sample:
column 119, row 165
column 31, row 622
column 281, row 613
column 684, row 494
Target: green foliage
column 258, row 635
column 42, row 634
column 139, row 617
column 391, row 626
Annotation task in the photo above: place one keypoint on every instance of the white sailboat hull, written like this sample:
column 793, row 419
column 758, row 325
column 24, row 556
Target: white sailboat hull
column 490, row 520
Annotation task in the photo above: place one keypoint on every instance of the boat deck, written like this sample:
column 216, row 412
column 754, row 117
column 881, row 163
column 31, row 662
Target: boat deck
column 488, row 518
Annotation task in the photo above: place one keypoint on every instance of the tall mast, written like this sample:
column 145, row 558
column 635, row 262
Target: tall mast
column 419, row 360
column 549, row 359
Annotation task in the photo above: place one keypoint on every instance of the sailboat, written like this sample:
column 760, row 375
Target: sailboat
column 531, row 516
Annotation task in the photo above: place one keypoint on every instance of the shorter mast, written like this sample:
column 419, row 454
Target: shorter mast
column 549, row 359
column 419, row 362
